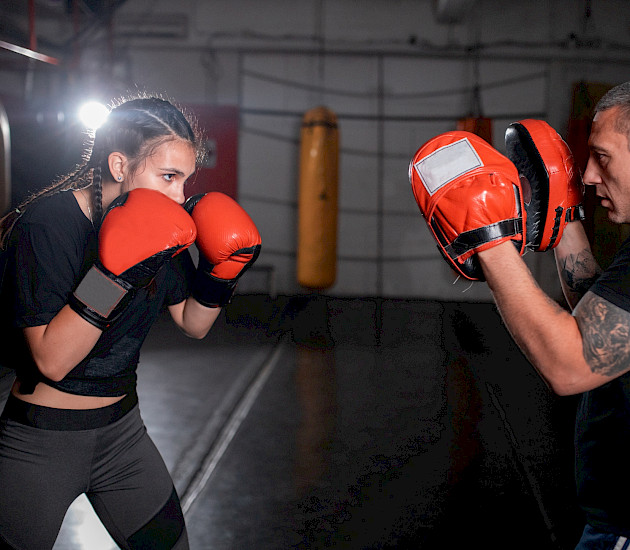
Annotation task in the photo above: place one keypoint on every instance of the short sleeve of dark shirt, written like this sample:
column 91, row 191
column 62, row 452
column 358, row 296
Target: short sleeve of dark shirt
column 614, row 284
column 52, row 245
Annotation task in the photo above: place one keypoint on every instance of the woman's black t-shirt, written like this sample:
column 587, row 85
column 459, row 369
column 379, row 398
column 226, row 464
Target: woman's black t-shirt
column 51, row 248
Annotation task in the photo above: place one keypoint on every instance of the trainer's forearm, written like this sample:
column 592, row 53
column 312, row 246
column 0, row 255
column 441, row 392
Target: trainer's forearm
column 546, row 333
column 577, row 267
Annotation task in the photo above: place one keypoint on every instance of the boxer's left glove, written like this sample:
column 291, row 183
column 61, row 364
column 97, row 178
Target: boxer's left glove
column 552, row 185
column 470, row 196
column 141, row 231
column 228, row 243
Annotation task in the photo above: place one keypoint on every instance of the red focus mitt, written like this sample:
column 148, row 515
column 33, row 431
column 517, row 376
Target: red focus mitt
column 470, row 196
column 551, row 182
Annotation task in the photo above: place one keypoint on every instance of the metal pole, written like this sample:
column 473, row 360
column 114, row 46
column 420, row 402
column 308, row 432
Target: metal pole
column 5, row 162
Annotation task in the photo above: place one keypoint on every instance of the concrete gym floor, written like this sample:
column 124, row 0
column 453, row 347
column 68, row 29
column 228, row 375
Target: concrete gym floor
column 312, row 422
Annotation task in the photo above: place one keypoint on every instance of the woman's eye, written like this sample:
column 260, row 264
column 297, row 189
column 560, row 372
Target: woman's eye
column 168, row 177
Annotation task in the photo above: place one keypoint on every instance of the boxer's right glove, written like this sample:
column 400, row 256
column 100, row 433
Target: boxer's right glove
column 228, row 243
column 551, row 182
column 470, row 196
column 141, row 231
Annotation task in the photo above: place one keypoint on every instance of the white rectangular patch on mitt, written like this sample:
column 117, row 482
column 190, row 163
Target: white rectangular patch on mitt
column 446, row 164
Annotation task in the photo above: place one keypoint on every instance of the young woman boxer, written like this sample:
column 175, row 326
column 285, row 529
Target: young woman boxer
column 88, row 265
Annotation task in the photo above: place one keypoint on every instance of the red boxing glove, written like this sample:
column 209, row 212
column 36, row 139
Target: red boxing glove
column 141, row 231
column 228, row 242
column 551, row 182
column 470, row 197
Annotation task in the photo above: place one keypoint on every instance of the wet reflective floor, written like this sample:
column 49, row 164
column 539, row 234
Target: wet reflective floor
column 313, row 422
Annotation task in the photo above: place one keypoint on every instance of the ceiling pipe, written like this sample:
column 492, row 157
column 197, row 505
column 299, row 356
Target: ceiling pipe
column 29, row 53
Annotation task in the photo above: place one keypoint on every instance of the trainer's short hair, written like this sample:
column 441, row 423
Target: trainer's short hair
column 619, row 96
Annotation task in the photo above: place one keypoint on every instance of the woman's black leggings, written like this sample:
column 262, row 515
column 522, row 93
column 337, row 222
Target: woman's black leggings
column 48, row 457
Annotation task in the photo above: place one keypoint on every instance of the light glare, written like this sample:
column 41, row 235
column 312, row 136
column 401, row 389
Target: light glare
column 93, row 114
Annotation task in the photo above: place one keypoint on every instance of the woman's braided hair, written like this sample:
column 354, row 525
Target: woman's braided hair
column 135, row 127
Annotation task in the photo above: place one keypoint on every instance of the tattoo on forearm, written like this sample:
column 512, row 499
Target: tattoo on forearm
column 605, row 332
column 580, row 271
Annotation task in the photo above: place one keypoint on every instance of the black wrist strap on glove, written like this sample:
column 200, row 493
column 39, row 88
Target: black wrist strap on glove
column 470, row 240
column 100, row 297
column 210, row 291
column 575, row 213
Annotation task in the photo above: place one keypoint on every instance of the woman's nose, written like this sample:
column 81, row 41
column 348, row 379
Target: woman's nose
column 177, row 194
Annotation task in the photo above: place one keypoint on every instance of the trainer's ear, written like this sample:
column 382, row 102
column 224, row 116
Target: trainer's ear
column 117, row 163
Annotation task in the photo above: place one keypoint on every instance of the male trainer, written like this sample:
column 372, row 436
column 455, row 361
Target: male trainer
column 485, row 210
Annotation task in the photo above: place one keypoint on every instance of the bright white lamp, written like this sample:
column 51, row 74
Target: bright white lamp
column 92, row 114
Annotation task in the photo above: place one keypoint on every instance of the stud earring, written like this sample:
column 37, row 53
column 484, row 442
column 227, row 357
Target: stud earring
column 119, row 178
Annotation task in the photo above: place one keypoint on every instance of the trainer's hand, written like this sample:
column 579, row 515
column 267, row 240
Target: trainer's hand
column 228, row 242
column 552, row 185
column 141, row 231
column 470, row 196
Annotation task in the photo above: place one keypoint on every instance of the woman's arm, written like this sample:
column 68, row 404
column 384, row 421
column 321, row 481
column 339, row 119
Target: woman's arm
column 64, row 342
column 61, row 344
column 194, row 319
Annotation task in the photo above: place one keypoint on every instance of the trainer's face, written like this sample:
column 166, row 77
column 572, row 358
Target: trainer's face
column 166, row 170
column 608, row 167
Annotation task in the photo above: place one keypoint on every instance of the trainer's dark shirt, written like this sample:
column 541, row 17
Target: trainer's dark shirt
column 603, row 424
column 51, row 248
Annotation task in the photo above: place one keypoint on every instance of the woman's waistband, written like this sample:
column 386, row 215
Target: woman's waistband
column 49, row 418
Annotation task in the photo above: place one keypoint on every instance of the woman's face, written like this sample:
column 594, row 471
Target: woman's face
column 166, row 170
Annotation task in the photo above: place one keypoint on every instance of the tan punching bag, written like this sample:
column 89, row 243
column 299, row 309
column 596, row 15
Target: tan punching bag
column 317, row 200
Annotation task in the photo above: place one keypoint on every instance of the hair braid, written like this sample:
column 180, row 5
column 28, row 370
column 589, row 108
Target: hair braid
column 97, row 194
